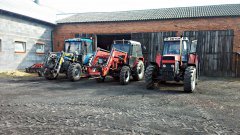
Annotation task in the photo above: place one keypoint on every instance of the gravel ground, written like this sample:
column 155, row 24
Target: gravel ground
column 35, row 106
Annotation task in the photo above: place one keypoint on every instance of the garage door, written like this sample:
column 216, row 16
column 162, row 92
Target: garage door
column 215, row 50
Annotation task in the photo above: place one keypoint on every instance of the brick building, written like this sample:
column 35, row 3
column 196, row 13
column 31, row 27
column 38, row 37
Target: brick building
column 25, row 33
column 217, row 29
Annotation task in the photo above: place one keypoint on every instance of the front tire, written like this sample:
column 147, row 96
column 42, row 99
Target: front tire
column 190, row 79
column 125, row 75
column 74, row 72
column 150, row 74
column 139, row 71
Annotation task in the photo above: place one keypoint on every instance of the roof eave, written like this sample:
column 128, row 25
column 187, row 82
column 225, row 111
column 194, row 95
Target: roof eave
column 27, row 17
column 144, row 20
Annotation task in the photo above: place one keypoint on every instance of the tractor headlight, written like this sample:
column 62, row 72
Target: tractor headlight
column 172, row 66
column 164, row 65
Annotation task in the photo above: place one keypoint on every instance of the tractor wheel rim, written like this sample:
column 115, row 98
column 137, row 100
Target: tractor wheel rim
column 140, row 69
column 77, row 71
column 193, row 78
column 127, row 75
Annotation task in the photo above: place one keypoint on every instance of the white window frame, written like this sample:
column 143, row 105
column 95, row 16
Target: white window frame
column 42, row 49
column 23, row 47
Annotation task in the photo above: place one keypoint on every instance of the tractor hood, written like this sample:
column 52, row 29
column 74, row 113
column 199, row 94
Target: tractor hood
column 170, row 58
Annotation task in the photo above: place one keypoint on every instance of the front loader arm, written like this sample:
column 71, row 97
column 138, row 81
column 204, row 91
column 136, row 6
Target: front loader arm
column 112, row 58
column 116, row 56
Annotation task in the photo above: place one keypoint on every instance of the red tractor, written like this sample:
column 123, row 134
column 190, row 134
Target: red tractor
column 124, row 60
column 177, row 62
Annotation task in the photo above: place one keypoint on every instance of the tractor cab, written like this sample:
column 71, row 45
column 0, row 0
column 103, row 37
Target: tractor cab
column 132, row 48
column 80, row 46
column 175, row 49
column 124, row 60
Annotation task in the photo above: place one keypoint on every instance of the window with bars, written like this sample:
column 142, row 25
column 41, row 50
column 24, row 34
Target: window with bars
column 40, row 48
column 19, row 47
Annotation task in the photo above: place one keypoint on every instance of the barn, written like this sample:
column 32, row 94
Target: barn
column 25, row 33
column 216, row 27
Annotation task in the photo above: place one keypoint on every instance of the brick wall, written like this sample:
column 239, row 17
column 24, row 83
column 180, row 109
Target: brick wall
column 64, row 31
column 16, row 29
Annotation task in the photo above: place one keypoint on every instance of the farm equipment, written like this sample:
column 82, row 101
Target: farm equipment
column 178, row 62
column 57, row 62
column 124, row 60
column 35, row 68
column 72, row 62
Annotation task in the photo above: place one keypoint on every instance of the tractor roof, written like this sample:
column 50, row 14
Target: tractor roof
column 126, row 41
column 78, row 39
column 175, row 38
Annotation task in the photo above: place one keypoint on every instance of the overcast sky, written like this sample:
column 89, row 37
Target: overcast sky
column 78, row 6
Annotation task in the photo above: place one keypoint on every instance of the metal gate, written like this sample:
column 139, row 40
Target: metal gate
column 215, row 50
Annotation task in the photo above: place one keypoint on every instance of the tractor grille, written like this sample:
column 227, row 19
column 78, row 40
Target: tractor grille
column 168, row 67
column 168, row 58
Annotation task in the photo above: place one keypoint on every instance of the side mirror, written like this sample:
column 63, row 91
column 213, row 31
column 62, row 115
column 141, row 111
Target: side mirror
column 193, row 47
column 144, row 48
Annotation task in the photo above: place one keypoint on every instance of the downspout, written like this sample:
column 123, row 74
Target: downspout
column 52, row 47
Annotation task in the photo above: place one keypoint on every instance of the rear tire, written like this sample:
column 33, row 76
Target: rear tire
column 125, row 75
column 190, row 79
column 139, row 71
column 74, row 72
column 150, row 74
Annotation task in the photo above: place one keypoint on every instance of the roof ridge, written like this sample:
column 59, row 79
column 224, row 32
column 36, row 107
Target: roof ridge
column 155, row 14
column 150, row 9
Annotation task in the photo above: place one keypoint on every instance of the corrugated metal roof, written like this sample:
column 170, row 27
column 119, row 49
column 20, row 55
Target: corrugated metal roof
column 156, row 14
column 29, row 9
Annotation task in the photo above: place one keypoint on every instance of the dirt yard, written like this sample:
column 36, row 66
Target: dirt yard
column 31, row 105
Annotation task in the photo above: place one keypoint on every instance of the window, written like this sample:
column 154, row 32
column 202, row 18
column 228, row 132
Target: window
column 71, row 47
column 40, row 48
column 139, row 51
column 122, row 47
column 88, row 46
column 134, row 50
column 171, row 47
column 20, row 47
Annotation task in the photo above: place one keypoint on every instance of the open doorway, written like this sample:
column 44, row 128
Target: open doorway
column 105, row 41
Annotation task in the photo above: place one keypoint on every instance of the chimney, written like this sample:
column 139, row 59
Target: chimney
column 36, row 1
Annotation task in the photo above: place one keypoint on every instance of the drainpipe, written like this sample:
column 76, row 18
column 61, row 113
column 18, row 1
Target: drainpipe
column 52, row 41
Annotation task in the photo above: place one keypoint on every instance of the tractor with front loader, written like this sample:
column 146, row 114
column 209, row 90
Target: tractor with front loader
column 73, row 61
column 178, row 61
column 123, row 61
